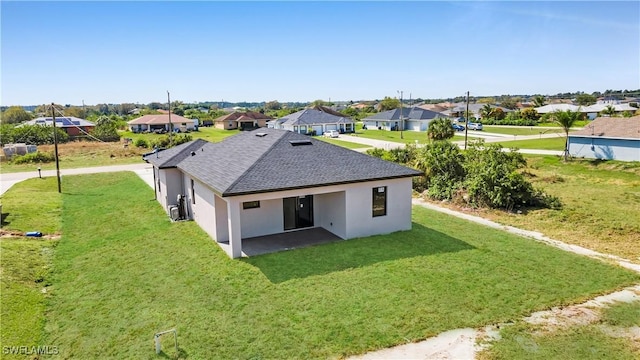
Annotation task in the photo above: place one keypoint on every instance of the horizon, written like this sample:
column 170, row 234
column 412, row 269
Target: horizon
column 304, row 51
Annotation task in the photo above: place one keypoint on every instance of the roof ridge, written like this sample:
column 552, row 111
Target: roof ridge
column 255, row 163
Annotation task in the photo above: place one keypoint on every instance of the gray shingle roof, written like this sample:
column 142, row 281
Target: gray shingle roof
column 312, row 117
column 246, row 163
column 408, row 113
column 171, row 157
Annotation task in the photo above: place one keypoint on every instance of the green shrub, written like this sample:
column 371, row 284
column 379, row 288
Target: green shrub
column 141, row 143
column 33, row 158
column 441, row 162
column 166, row 141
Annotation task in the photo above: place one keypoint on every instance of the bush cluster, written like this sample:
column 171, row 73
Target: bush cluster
column 483, row 176
column 141, row 143
column 31, row 134
column 34, row 158
column 164, row 141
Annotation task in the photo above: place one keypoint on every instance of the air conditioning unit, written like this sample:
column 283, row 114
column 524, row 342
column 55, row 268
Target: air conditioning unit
column 174, row 212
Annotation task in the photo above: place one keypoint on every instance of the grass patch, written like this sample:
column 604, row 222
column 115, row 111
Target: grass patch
column 555, row 143
column 624, row 314
column 120, row 278
column 408, row 137
column 523, row 341
column 24, row 268
column 577, row 124
column 520, row 130
column 344, row 144
column 22, row 211
column 207, row 133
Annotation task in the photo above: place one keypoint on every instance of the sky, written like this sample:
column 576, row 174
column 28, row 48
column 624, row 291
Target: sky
column 134, row 52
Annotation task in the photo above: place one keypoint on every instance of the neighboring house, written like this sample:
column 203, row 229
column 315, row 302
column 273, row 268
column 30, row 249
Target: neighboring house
column 608, row 138
column 551, row 108
column 244, row 120
column 308, row 121
column 433, row 107
column 73, row 126
column 150, row 123
column 459, row 110
column 269, row 181
column 413, row 118
column 593, row 110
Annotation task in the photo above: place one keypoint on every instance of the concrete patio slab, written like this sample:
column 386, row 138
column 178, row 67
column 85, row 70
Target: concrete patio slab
column 286, row 241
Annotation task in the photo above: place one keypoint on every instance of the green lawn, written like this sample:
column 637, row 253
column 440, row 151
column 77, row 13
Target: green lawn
column 24, row 268
column 129, row 272
column 408, row 137
column 344, row 144
column 23, row 211
column 555, row 143
column 577, row 124
column 208, row 133
column 520, row 130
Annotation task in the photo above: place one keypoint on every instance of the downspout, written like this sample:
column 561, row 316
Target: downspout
column 155, row 184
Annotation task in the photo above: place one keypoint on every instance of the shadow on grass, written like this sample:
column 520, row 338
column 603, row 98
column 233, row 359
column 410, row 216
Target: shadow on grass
column 3, row 221
column 355, row 253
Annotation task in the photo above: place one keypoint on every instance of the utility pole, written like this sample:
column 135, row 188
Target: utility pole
column 84, row 114
column 401, row 119
column 55, row 144
column 170, row 124
column 466, row 122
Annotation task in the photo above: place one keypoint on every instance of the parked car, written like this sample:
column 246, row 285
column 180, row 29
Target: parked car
column 475, row 126
column 457, row 127
column 331, row 134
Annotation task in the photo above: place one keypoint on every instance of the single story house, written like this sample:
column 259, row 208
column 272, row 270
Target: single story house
column 551, row 108
column 460, row 109
column 269, row 181
column 413, row 118
column 316, row 121
column 593, row 110
column 241, row 120
column 73, row 126
column 154, row 122
column 607, row 138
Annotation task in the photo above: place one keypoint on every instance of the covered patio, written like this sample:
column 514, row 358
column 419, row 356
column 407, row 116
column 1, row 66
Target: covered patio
column 289, row 240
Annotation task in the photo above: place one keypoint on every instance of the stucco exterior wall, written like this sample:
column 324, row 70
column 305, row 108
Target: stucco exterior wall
column 330, row 212
column 359, row 202
column 203, row 211
column 265, row 220
column 606, row 149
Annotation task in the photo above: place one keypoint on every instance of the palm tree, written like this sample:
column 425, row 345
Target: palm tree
column 566, row 119
column 609, row 110
column 485, row 112
column 440, row 129
column 539, row 101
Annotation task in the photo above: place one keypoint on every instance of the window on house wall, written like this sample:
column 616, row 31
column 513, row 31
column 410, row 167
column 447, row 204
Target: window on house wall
column 193, row 192
column 379, row 201
column 250, row 205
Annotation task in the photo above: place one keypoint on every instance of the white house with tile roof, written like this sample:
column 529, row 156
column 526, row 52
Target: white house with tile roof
column 270, row 181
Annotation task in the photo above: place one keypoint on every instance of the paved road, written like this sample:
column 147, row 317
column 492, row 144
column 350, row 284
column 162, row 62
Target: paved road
column 142, row 169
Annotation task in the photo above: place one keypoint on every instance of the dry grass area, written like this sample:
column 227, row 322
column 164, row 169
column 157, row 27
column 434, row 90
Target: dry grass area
column 601, row 204
column 83, row 154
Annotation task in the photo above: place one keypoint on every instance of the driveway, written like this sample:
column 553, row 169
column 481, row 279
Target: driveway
column 143, row 170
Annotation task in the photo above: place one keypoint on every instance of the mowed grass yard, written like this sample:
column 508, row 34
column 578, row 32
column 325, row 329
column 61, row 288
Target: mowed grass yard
column 122, row 271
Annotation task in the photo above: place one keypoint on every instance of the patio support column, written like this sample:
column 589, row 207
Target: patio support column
column 235, row 239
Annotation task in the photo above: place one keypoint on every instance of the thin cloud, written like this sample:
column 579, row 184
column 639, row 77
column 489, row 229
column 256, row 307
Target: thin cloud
column 578, row 19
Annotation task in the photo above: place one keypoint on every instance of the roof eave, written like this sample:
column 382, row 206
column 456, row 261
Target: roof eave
column 229, row 194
